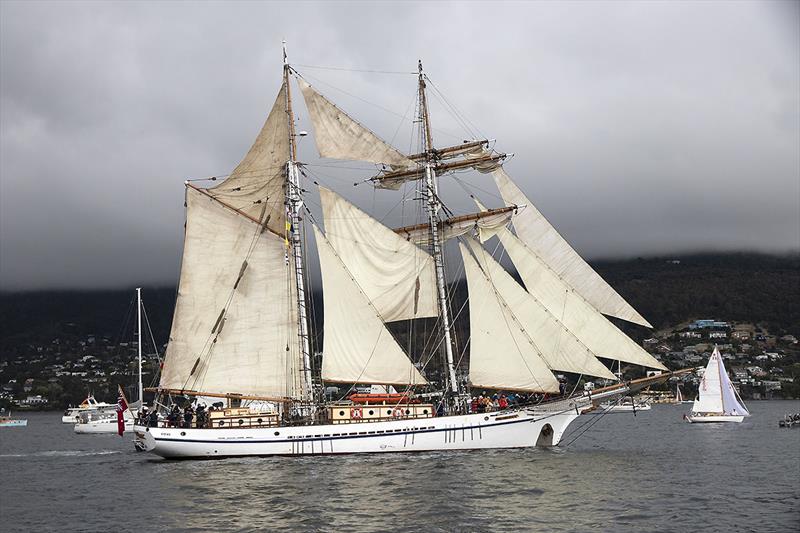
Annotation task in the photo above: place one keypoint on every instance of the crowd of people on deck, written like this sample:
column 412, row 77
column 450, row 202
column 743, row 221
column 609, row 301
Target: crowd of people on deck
column 177, row 417
column 485, row 403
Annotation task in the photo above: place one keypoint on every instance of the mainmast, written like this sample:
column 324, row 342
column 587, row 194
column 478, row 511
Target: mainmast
column 294, row 203
column 431, row 192
column 139, row 340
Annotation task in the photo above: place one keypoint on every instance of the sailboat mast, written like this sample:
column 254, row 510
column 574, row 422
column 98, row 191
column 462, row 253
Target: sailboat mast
column 294, row 203
column 139, row 339
column 433, row 204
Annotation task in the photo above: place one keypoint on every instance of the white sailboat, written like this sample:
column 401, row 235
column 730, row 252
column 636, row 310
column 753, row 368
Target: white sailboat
column 241, row 331
column 103, row 418
column 718, row 400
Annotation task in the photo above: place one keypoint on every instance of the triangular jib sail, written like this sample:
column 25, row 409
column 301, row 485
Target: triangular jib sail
column 541, row 237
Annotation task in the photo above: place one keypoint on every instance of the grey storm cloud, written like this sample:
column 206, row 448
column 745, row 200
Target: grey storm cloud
column 639, row 128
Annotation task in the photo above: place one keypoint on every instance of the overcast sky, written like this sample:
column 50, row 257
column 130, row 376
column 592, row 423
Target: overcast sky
column 639, row 128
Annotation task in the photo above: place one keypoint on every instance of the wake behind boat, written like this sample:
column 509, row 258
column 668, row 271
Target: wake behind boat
column 241, row 331
column 718, row 401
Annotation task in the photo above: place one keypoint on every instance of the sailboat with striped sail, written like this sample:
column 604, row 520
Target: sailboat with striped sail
column 241, row 330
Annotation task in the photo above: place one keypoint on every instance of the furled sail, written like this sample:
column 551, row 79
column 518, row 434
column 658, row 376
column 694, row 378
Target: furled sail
column 396, row 276
column 260, row 178
column 486, row 223
column 541, row 237
column 578, row 316
column 224, row 338
column 555, row 343
column 338, row 136
column 502, row 355
column 357, row 346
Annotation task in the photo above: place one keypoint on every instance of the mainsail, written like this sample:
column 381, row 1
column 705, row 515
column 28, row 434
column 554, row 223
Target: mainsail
column 357, row 346
column 396, row 276
column 338, row 136
column 225, row 338
column 541, row 237
column 260, row 178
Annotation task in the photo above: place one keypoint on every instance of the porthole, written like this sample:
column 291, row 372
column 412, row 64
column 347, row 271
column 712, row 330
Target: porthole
column 277, row 433
column 371, row 412
column 408, row 411
column 341, row 413
column 424, row 411
column 183, row 433
column 388, row 411
column 241, row 421
column 221, row 423
column 486, row 418
column 259, row 421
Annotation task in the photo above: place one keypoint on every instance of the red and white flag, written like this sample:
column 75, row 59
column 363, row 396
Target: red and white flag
column 122, row 406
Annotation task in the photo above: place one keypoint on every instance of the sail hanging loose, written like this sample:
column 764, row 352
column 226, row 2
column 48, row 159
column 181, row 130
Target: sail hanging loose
column 485, row 223
column 338, row 136
column 555, row 343
column 224, row 339
column 396, row 276
column 541, row 237
column 259, row 180
column 357, row 346
column 502, row 356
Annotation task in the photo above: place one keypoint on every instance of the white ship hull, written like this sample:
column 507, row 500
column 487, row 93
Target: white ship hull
column 697, row 419
column 619, row 408
column 102, row 426
column 504, row 429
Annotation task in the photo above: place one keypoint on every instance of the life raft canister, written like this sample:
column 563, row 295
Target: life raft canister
column 355, row 412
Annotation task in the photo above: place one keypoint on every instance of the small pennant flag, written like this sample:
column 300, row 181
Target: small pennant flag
column 122, row 406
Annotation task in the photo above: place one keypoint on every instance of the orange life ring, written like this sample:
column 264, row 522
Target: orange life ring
column 356, row 413
column 397, row 411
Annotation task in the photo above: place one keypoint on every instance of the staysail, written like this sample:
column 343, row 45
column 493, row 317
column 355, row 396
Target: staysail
column 541, row 237
column 338, row 136
column 260, row 177
column 357, row 346
column 224, row 339
column 502, row 355
column 554, row 342
column 396, row 276
column 581, row 318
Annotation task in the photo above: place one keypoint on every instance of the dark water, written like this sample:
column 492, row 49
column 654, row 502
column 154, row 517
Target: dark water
column 651, row 472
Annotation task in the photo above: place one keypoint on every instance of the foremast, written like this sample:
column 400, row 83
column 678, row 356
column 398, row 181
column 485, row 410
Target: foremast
column 433, row 205
column 294, row 204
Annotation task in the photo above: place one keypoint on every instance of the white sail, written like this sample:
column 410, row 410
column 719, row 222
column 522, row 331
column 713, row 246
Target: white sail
column 541, row 237
column 235, row 325
column 502, row 355
column 397, row 277
column 581, row 318
column 554, row 342
column 260, row 177
column 357, row 346
column 710, row 391
column 717, row 394
column 338, row 136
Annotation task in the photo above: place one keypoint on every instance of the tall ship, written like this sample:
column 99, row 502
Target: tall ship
column 244, row 354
